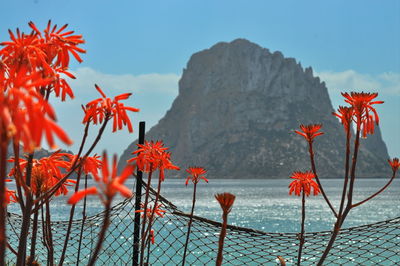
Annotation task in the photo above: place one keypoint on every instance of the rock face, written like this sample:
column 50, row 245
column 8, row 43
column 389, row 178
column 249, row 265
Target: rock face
column 236, row 111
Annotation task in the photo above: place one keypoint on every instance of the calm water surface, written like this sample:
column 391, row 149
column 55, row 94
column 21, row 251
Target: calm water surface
column 266, row 205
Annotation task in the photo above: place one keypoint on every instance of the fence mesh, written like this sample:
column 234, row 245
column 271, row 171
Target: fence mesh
column 373, row 244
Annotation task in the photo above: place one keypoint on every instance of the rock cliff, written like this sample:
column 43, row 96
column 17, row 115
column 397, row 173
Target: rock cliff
column 236, row 111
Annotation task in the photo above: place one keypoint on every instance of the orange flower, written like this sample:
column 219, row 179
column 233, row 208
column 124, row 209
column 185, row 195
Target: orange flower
column 226, row 201
column 152, row 156
column 196, row 173
column 160, row 213
column 303, row 183
column 106, row 108
column 395, row 164
column 309, row 132
column 109, row 183
column 46, row 172
column 345, row 114
column 90, row 165
column 362, row 104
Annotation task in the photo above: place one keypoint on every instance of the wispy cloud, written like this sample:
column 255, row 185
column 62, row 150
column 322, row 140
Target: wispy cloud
column 385, row 84
column 144, row 83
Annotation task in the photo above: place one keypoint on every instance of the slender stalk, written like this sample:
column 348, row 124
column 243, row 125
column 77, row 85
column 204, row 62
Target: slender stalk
column 146, row 201
column 82, row 225
column 222, row 238
column 26, row 221
column 106, row 223
column 346, row 177
column 340, row 220
column 311, row 152
column 376, row 193
column 190, row 224
column 303, row 218
column 150, row 223
column 18, row 176
column 34, row 235
column 50, row 257
column 71, row 218
column 3, row 212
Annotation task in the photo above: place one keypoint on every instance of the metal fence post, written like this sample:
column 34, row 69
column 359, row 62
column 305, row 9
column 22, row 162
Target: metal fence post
column 138, row 198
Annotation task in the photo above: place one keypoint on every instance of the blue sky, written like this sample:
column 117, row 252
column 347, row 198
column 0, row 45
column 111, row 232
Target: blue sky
column 142, row 47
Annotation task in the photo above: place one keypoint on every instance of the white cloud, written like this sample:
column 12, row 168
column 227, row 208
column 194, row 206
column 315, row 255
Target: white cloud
column 161, row 83
column 387, row 83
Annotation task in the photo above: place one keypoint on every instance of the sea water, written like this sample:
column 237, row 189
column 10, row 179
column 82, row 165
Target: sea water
column 265, row 204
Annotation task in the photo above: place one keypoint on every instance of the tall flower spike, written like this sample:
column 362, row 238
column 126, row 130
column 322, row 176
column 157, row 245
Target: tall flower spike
column 98, row 110
column 395, row 164
column 345, row 114
column 226, row 201
column 303, row 183
column 309, row 132
column 362, row 103
column 196, row 173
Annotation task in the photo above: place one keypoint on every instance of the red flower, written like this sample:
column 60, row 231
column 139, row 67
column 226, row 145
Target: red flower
column 303, row 183
column 91, row 165
column 152, row 156
column 46, row 172
column 309, row 132
column 226, row 201
column 98, row 110
column 345, row 114
column 395, row 164
column 196, row 173
column 362, row 104
column 158, row 212
column 109, row 184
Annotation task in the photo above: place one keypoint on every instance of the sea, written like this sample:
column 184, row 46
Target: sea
column 265, row 204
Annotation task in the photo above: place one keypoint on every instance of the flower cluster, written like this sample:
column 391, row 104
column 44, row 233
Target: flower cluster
column 31, row 66
column 303, row 183
column 309, row 132
column 152, row 156
column 46, row 172
column 106, row 108
column 109, row 183
column 196, row 173
column 226, row 201
column 362, row 112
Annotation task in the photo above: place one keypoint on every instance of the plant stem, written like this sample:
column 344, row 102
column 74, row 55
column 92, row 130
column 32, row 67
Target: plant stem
column 106, row 223
column 82, row 225
column 303, row 218
column 26, row 221
column 50, row 257
column 146, row 201
column 311, row 152
column 222, row 238
column 190, row 224
column 340, row 220
column 3, row 212
column 150, row 223
column 376, row 193
column 71, row 218
column 34, row 235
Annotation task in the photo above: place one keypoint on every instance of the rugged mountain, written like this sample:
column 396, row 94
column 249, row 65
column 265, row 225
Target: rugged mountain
column 237, row 107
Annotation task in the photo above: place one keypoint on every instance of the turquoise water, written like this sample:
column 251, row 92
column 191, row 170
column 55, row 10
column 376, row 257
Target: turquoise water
column 265, row 204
